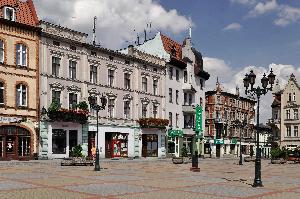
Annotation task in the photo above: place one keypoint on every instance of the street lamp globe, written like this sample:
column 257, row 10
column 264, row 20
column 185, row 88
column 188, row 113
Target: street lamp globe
column 271, row 77
column 246, row 81
column 264, row 81
column 252, row 77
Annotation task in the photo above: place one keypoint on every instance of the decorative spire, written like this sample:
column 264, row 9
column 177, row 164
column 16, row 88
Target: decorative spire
column 237, row 90
column 218, row 86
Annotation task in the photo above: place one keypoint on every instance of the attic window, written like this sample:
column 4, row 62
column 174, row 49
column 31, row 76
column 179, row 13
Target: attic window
column 155, row 69
column 9, row 13
column 93, row 53
column 173, row 51
column 127, row 62
column 111, row 58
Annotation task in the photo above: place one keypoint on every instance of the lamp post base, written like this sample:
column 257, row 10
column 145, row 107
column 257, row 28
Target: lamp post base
column 97, row 165
column 257, row 183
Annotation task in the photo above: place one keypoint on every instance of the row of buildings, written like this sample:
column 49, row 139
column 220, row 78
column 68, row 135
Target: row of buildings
column 155, row 92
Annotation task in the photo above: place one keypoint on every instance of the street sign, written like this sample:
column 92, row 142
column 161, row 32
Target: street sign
column 219, row 141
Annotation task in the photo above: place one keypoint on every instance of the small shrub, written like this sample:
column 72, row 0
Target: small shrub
column 184, row 152
column 76, row 151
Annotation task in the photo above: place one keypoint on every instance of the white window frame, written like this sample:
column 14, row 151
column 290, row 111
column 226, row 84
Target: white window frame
column 2, row 90
column 5, row 14
column 296, row 131
column 2, row 51
column 71, row 69
column 71, row 107
column 21, row 55
column 93, row 74
column 20, row 89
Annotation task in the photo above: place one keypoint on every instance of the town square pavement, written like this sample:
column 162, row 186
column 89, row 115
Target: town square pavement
column 218, row 178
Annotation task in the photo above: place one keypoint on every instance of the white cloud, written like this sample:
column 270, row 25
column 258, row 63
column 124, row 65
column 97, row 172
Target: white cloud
column 230, row 78
column 287, row 15
column 233, row 26
column 244, row 2
column 117, row 19
column 262, row 8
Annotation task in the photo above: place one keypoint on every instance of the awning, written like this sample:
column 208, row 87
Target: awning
column 175, row 133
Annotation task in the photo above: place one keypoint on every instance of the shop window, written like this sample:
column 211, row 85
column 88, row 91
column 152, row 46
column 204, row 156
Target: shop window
column 150, row 145
column 21, row 95
column 59, row 141
column 1, row 51
column 171, row 145
column 73, row 134
column 1, row 93
column 21, row 55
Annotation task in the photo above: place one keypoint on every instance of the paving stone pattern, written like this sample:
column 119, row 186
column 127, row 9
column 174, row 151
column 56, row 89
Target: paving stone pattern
column 135, row 179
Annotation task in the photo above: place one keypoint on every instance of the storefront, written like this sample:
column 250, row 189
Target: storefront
column 15, row 143
column 116, row 144
column 150, row 145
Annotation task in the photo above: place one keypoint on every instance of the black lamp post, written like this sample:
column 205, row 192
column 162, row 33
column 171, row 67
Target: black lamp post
column 97, row 108
column 258, row 91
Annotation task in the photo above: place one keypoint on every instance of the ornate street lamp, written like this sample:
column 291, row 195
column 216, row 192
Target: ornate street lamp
column 258, row 91
column 97, row 108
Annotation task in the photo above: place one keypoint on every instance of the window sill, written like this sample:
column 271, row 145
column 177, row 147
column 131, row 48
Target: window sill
column 22, row 107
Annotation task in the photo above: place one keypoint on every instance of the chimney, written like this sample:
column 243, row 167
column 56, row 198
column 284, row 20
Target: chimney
column 130, row 50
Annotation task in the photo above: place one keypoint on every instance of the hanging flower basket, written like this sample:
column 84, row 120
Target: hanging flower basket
column 153, row 123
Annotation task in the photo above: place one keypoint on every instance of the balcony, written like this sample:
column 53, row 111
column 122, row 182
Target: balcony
column 188, row 108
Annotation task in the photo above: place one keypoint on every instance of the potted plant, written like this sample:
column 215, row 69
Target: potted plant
column 278, row 156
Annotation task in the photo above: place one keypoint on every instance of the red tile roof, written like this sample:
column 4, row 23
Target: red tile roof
column 169, row 44
column 25, row 11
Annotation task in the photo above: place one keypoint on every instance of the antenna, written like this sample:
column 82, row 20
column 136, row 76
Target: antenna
column 138, row 39
column 94, row 31
column 145, row 35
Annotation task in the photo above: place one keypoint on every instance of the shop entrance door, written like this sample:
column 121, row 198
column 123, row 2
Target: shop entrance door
column 108, row 148
column 10, row 147
column 91, row 143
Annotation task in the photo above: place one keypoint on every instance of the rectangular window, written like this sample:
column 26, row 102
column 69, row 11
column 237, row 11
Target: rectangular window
column 288, row 131
column 296, row 116
column 185, row 99
column 59, row 141
column 93, row 74
column 190, row 99
column 170, row 119
column 144, row 84
column 185, row 77
column 111, row 107
column 111, row 76
column 56, row 96
column 21, row 55
column 171, row 72
column 55, row 66
column 294, row 97
column 126, row 80
column 177, row 119
column 177, row 75
column 170, row 95
column 1, row 93
column 1, row 51
column 72, row 69
column 288, row 114
column 177, row 96
column 21, row 95
column 155, row 82
column 144, row 110
column 72, row 100
column 127, row 109
column 295, row 131
column 155, row 107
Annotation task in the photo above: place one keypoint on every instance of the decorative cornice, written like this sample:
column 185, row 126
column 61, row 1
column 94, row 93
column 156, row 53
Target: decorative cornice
column 127, row 97
column 93, row 92
column 127, row 70
column 94, row 62
column 56, row 53
column 111, row 67
column 57, row 86
column 155, row 77
column 111, row 95
column 72, row 56
column 145, row 74
column 145, row 100
column 155, row 102
column 73, row 88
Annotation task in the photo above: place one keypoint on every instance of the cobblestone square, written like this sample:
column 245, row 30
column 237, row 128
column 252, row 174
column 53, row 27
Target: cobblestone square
column 218, row 178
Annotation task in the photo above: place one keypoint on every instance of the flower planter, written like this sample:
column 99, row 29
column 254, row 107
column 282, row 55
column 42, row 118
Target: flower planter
column 278, row 161
column 177, row 160
column 249, row 159
column 77, row 161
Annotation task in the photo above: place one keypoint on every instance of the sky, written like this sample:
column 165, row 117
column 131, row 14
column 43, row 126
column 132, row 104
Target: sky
column 234, row 36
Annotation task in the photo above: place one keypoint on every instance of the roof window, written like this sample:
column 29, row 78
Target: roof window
column 9, row 13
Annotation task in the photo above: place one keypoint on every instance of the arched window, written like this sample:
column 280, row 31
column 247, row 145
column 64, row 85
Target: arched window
column 21, row 95
column 1, row 93
column 21, row 55
column 1, row 51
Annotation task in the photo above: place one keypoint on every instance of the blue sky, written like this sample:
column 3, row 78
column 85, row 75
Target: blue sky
column 259, row 42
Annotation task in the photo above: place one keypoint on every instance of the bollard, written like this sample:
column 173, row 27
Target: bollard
column 195, row 167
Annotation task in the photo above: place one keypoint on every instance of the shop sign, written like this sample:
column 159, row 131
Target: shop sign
column 219, row 141
column 9, row 119
column 198, row 127
column 234, row 141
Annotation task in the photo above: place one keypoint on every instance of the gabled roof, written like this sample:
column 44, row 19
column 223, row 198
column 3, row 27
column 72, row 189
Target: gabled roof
column 169, row 44
column 25, row 11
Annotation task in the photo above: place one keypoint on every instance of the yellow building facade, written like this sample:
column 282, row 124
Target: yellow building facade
column 19, row 80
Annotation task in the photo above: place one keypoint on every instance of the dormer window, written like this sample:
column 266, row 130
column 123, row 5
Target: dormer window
column 173, row 51
column 9, row 14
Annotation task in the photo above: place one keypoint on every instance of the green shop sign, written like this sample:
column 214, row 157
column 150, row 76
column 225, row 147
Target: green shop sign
column 219, row 141
column 233, row 141
column 175, row 133
column 198, row 127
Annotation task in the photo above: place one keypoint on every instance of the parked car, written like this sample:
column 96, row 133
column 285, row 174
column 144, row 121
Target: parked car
column 295, row 157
